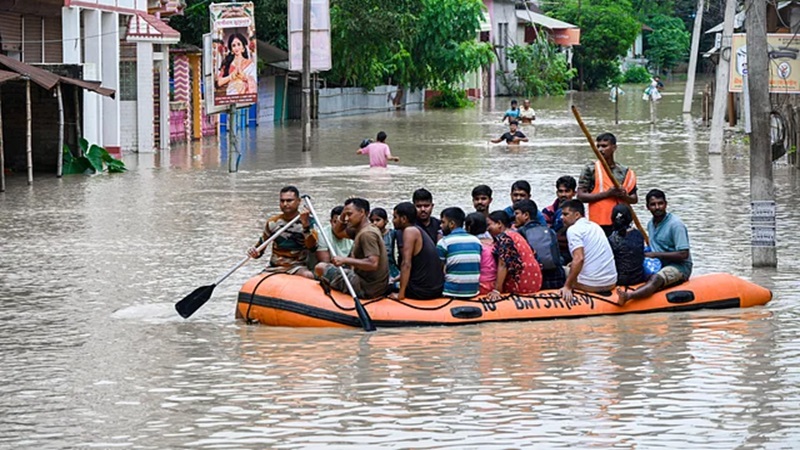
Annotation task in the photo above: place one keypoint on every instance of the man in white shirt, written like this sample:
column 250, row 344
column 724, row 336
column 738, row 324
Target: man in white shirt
column 593, row 268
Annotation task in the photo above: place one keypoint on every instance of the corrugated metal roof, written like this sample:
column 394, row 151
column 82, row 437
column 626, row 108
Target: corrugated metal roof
column 541, row 19
column 7, row 76
column 49, row 80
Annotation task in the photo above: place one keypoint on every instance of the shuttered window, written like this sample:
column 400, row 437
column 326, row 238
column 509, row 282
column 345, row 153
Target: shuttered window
column 52, row 40
column 32, row 35
column 10, row 31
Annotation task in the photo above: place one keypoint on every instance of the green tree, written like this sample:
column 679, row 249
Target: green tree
column 668, row 44
column 541, row 69
column 608, row 29
column 270, row 21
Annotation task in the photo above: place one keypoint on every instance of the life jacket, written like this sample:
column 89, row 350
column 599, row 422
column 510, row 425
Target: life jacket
column 600, row 212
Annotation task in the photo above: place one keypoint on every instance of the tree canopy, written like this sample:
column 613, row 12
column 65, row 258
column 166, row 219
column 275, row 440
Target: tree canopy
column 668, row 43
column 608, row 29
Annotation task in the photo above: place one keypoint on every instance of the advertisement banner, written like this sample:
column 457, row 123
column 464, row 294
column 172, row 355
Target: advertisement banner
column 320, row 35
column 233, row 53
column 784, row 66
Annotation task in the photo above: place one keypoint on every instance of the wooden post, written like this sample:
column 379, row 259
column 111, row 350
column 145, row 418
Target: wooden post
column 616, row 104
column 233, row 152
column 696, row 34
column 77, row 99
column 2, row 152
column 284, row 112
column 731, row 109
column 28, row 130
column 305, row 114
column 60, row 169
column 762, row 189
column 721, row 92
column 197, row 104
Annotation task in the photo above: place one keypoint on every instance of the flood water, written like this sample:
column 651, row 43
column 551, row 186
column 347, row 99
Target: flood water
column 93, row 355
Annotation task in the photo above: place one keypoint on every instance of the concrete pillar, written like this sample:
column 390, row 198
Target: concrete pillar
column 92, row 70
column 71, row 35
column 163, row 68
column 144, row 95
column 110, row 78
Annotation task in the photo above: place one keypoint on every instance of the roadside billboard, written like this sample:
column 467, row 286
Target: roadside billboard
column 320, row 35
column 784, row 66
column 233, row 53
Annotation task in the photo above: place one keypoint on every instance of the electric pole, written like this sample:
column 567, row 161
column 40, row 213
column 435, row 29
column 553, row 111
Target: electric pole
column 305, row 113
column 698, row 28
column 721, row 91
column 762, row 191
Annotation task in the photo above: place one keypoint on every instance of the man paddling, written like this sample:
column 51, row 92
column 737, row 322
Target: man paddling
column 597, row 189
column 290, row 250
column 669, row 240
column 368, row 264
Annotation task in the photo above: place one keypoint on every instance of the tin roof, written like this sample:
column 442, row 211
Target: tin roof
column 46, row 79
column 145, row 27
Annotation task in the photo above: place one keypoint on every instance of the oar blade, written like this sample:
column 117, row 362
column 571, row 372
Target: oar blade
column 192, row 302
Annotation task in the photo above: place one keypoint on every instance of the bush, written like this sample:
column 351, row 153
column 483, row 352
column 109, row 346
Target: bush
column 450, row 98
column 541, row 70
column 636, row 75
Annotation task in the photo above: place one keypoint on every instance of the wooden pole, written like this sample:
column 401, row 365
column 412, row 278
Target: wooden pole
column 721, row 92
column 60, row 169
column 28, row 130
column 762, row 189
column 285, row 102
column 77, row 100
column 197, row 103
column 233, row 151
column 696, row 34
column 616, row 104
column 305, row 114
column 607, row 169
column 2, row 152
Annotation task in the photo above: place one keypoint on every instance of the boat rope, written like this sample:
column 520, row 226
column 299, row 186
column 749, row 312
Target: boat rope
column 247, row 318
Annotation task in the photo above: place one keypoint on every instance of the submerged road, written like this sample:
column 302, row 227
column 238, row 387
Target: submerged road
column 94, row 356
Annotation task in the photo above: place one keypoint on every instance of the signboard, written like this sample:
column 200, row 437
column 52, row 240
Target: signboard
column 233, row 53
column 320, row 35
column 762, row 223
column 784, row 65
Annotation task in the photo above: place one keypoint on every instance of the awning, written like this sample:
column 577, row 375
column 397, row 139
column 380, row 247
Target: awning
column 8, row 76
column 145, row 27
column 269, row 53
column 738, row 20
column 541, row 19
column 46, row 79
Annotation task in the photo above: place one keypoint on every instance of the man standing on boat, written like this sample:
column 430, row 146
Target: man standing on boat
column 421, row 275
column 593, row 268
column 669, row 240
column 368, row 266
column 290, row 250
column 596, row 189
column 379, row 153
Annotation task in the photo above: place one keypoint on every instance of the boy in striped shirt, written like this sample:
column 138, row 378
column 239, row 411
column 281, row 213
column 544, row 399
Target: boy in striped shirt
column 461, row 254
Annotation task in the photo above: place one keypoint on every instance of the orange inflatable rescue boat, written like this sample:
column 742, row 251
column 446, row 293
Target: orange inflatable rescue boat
column 293, row 301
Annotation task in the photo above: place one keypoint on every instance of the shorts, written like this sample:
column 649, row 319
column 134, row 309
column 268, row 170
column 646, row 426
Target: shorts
column 670, row 276
column 333, row 275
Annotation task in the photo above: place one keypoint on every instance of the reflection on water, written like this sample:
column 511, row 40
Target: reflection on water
column 93, row 354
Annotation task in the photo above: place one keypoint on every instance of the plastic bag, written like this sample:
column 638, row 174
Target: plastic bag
column 651, row 265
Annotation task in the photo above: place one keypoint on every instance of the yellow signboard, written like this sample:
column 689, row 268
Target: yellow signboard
column 784, row 65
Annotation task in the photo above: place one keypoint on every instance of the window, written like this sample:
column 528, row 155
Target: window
column 127, row 80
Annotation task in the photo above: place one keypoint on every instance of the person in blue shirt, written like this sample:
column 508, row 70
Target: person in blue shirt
column 669, row 240
column 521, row 190
column 511, row 114
column 460, row 252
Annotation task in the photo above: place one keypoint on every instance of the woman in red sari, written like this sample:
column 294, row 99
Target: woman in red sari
column 518, row 272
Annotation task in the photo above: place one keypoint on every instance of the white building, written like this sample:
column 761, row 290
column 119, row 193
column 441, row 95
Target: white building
column 116, row 42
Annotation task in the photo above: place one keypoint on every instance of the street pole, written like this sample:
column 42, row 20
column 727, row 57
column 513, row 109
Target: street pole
column 698, row 26
column 305, row 113
column 721, row 91
column 762, row 190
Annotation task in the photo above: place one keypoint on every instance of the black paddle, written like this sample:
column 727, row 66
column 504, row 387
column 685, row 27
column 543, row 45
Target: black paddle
column 363, row 316
column 192, row 302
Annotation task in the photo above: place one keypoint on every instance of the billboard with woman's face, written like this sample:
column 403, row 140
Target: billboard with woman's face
column 233, row 34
